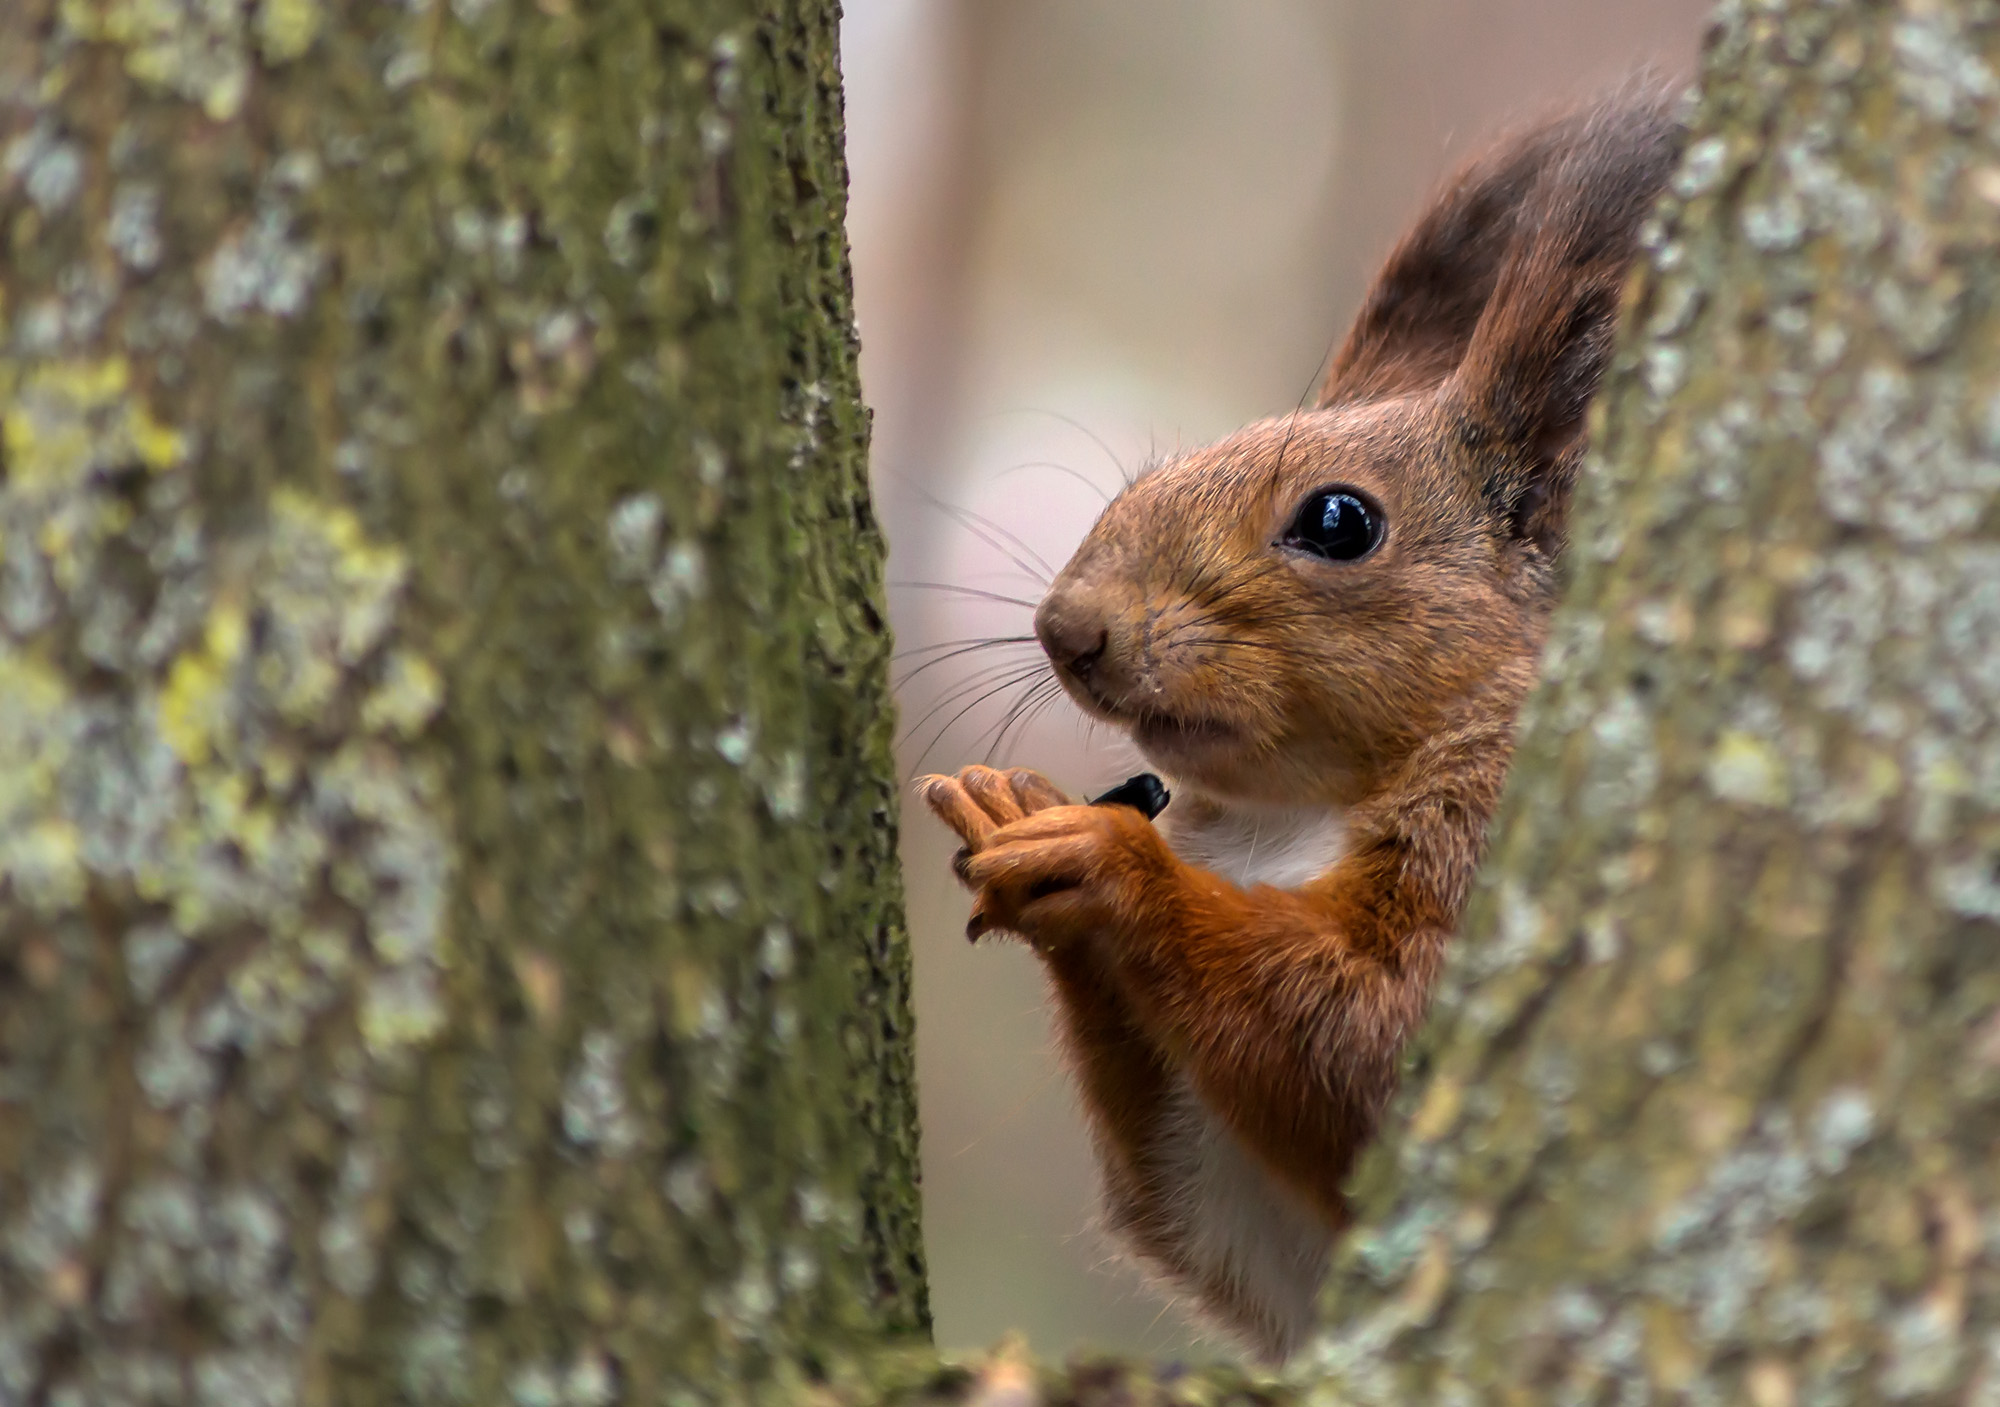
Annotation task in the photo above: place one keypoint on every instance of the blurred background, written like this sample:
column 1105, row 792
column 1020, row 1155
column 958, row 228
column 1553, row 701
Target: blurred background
column 1086, row 232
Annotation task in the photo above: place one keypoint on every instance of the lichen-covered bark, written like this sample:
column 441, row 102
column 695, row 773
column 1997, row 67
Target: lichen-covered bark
column 449, row 933
column 1710, row 1110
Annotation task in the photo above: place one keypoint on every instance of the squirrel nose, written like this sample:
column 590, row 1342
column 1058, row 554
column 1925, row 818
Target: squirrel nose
column 1074, row 639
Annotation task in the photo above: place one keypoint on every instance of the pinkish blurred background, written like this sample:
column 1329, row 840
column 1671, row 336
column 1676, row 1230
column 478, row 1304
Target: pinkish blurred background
column 1086, row 232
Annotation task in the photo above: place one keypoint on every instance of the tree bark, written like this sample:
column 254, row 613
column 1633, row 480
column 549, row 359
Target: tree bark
column 1709, row 1109
column 450, row 947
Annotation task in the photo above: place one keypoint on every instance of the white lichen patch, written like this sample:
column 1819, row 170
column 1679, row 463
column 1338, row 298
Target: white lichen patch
column 735, row 741
column 348, row 1235
column 785, row 791
column 633, row 532
column 262, row 268
column 60, row 1217
column 1747, row 769
column 1624, row 766
column 1906, row 649
column 1939, row 68
column 682, row 577
column 1942, row 476
column 1704, row 166
column 1716, row 1247
column 596, row 1113
column 588, row 1381
column 134, row 228
column 184, row 1241
column 48, row 168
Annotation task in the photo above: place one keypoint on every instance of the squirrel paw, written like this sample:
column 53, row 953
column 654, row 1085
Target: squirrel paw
column 980, row 800
column 977, row 803
column 1068, row 872
column 1040, row 866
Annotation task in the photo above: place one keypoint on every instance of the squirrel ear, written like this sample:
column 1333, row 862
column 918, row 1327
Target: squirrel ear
column 1505, row 295
column 1535, row 358
column 1420, row 313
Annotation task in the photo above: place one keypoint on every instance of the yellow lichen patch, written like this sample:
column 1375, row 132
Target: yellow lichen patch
column 398, row 1011
column 194, row 706
column 407, row 697
column 158, row 446
column 341, row 587
column 47, row 860
column 1748, row 769
column 39, row 847
column 1439, row 1110
column 287, row 28
column 68, row 419
column 50, row 433
column 1944, row 776
column 692, row 991
column 267, row 716
column 195, row 51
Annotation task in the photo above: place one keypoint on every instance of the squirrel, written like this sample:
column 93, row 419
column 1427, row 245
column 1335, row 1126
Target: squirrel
column 1321, row 630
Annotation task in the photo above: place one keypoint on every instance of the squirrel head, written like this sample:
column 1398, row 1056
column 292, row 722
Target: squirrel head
column 1284, row 615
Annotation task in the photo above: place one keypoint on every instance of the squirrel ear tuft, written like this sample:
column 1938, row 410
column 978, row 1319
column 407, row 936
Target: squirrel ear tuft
column 1504, row 296
column 1420, row 313
column 1535, row 359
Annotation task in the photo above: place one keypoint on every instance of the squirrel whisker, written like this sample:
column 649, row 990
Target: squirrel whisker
column 1013, row 681
column 1023, row 711
column 954, row 589
column 974, row 641
column 1019, row 642
column 1060, row 468
column 998, row 538
column 1077, row 425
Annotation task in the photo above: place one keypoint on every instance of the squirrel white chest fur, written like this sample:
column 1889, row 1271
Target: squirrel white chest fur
column 1284, row 846
column 1239, row 1224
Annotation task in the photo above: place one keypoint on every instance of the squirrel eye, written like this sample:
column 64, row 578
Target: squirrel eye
column 1337, row 524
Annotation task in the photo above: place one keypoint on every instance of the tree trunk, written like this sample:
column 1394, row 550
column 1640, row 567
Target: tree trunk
column 1710, row 1108
column 450, row 948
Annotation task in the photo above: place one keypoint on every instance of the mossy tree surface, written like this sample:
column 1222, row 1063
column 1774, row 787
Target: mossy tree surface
column 449, row 934
column 1709, row 1111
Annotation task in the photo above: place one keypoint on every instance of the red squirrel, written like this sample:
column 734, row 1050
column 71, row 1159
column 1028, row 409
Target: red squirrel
column 1320, row 629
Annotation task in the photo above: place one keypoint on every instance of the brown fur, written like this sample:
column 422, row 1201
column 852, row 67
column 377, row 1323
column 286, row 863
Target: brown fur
column 1384, row 689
